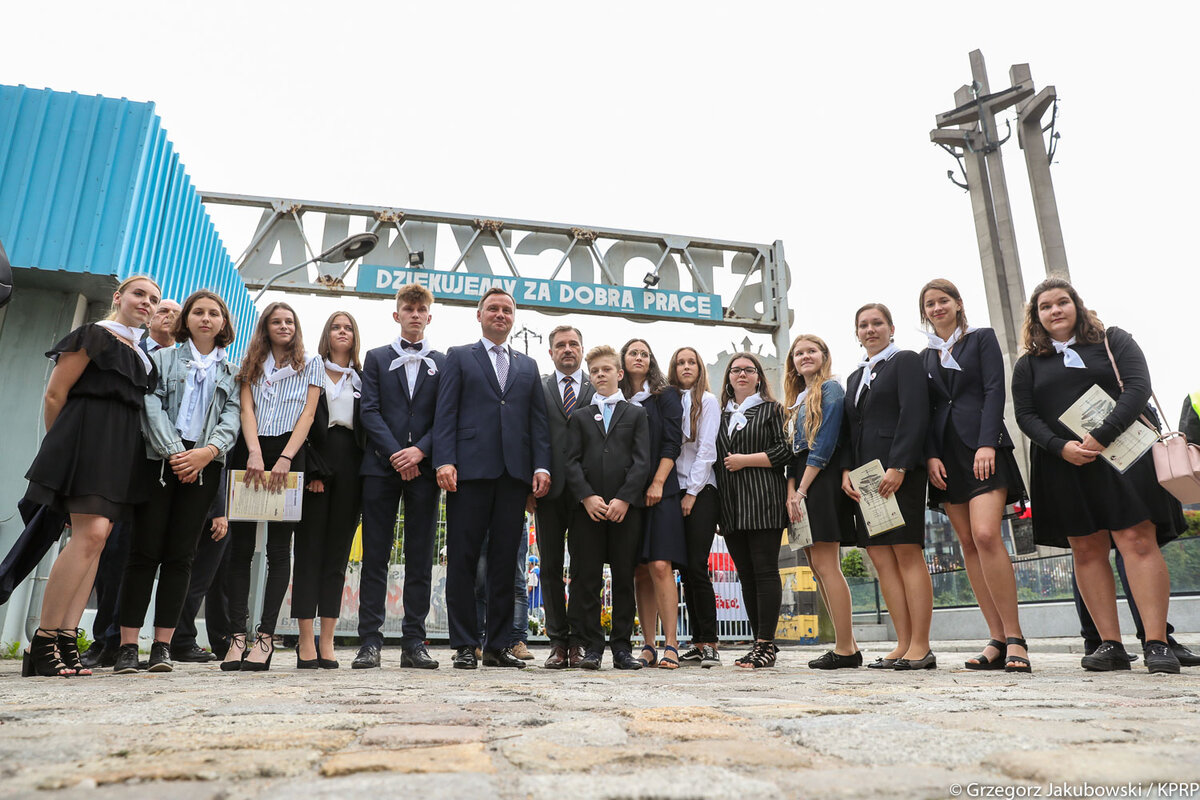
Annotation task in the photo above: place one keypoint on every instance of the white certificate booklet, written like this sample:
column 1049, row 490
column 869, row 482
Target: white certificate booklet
column 881, row 514
column 1089, row 412
column 254, row 504
column 800, row 533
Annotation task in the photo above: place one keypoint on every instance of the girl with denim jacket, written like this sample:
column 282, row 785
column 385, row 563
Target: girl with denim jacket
column 190, row 422
column 815, row 407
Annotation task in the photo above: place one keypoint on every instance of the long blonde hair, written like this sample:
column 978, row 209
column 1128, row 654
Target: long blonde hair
column 794, row 383
column 696, row 392
column 260, row 346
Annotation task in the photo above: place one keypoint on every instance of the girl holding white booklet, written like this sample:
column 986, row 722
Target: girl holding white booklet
column 1079, row 500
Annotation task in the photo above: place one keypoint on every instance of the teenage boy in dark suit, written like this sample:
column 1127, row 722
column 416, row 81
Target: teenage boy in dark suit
column 608, row 466
column 400, row 385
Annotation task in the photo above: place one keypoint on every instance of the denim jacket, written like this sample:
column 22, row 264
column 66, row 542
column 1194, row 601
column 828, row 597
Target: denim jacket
column 160, row 410
column 833, row 398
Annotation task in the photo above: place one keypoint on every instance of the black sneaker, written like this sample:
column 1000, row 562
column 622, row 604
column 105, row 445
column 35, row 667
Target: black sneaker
column 832, row 660
column 693, row 653
column 160, row 658
column 709, row 657
column 127, row 660
column 1186, row 657
column 195, row 654
column 1109, row 656
column 1160, row 658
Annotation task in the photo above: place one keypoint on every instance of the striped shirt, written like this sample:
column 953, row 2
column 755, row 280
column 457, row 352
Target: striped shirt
column 277, row 408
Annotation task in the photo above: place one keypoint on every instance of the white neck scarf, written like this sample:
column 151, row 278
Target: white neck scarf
column 1070, row 357
column 943, row 346
column 198, row 366
column 600, row 402
column 406, row 357
column 334, row 390
column 640, row 397
column 272, row 376
column 738, row 420
column 869, row 364
column 134, row 335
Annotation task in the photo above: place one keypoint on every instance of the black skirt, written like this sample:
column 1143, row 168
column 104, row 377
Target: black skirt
column 911, row 499
column 1078, row 501
column 830, row 511
column 90, row 459
column 663, row 537
column 961, row 483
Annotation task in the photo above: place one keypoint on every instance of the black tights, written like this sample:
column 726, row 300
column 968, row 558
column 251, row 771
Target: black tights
column 756, row 556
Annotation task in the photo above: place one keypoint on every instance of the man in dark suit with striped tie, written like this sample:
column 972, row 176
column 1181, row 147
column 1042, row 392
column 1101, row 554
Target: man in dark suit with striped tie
column 491, row 446
column 565, row 388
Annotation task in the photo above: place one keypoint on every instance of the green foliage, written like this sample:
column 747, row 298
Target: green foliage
column 1193, row 523
column 10, row 650
column 853, row 566
column 83, row 641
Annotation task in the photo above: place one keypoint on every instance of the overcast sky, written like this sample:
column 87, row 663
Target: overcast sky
column 802, row 122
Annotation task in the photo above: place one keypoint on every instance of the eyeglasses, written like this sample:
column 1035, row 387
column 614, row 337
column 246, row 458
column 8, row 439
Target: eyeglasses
column 743, row 371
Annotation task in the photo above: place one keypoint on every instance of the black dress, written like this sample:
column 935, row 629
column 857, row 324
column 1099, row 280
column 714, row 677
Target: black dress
column 664, row 538
column 1079, row 501
column 889, row 423
column 86, row 463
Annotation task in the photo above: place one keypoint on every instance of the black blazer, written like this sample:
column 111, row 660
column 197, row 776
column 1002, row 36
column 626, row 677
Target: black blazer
column 395, row 415
column 316, row 465
column 614, row 465
column 1189, row 423
column 891, row 421
column 558, row 428
column 754, row 498
column 664, row 411
column 971, row 399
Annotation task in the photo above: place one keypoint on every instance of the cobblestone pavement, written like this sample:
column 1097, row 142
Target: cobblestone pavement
column 722, row 733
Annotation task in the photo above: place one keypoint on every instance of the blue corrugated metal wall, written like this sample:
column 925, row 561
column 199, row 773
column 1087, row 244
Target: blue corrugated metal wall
column 93, row 185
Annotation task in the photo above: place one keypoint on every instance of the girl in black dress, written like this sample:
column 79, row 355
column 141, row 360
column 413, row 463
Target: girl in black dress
column 280, row 386
column 816, row 404
column 1078, row 500
column 664, row 542
column 86, row 464
column 973, row 473
column 752, row 454
column 190, row 423
column 887, row 411
column 331, row 501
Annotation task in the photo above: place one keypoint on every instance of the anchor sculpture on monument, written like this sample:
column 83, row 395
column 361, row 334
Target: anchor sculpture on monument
column 969, row 133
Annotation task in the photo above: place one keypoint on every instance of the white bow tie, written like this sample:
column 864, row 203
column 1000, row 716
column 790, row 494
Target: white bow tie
column 406, row 357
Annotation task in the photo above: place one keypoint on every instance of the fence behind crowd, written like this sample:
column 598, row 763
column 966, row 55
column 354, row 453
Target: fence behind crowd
column 798, row 615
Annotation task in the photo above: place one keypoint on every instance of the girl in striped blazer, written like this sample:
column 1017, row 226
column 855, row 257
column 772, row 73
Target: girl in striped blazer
column 752, row 454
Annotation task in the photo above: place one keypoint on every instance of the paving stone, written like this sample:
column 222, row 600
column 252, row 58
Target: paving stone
column 658, row 783
column 1101, row 764
column 396, row 736
column 448, row 758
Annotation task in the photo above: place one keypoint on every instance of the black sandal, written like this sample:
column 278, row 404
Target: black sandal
column 1017, row 663
column 762, row 656
column 666, row 662
column 41, row 659
column 983, row 662
column 68, row 650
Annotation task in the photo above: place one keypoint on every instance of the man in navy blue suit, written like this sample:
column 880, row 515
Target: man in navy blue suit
column 400, row 388
column 491, row 446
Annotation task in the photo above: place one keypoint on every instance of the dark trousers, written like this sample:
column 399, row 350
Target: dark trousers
column 699, row 527
column 553, row 516
column 592, row 544
column 166, row 530
column 494, row 509
column 381, row 498
column 279, row 548
column 207, row 586
column 108, row 584
column 756, row 557
column 1087, row 628
column 324, row 535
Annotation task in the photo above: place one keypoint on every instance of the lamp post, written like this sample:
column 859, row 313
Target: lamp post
column 347, row 249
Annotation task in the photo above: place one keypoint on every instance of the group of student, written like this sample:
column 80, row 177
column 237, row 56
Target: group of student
column 622, row 464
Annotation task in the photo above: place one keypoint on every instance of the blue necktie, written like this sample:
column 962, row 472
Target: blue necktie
column 607, row 416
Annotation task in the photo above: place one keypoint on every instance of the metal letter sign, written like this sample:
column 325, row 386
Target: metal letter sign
column 556, row 268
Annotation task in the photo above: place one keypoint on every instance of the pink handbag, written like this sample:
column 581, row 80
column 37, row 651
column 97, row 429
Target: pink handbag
column 1176, row 461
